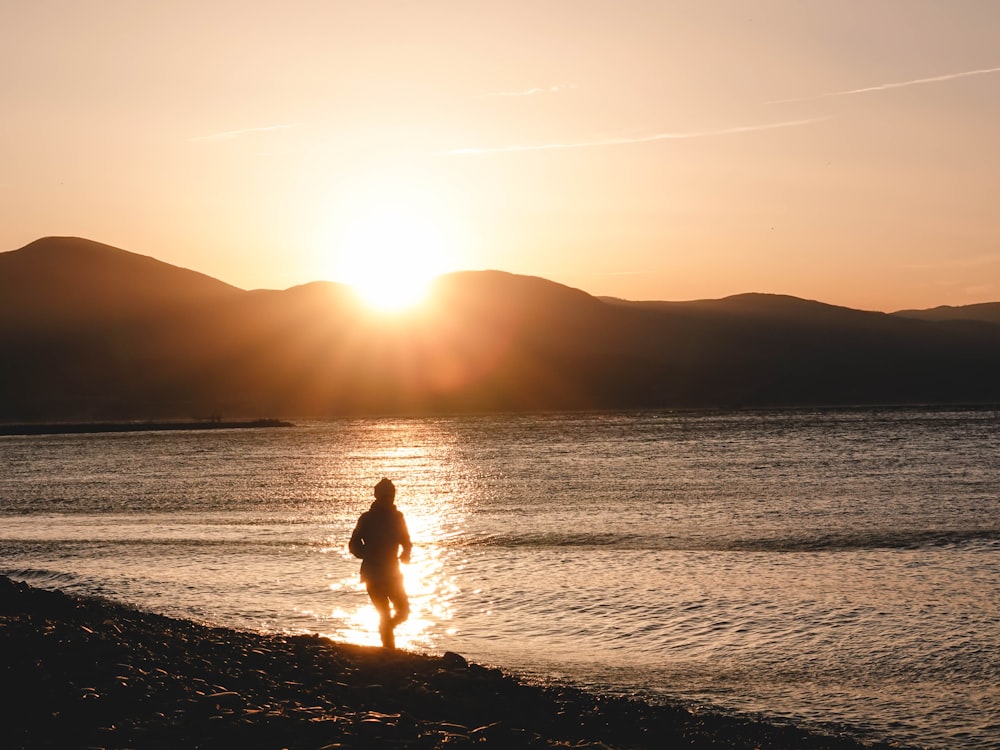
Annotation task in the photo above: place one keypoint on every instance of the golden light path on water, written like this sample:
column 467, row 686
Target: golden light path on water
column 411, row 458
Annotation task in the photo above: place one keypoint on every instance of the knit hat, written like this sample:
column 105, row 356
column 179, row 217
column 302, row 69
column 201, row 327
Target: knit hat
column 385, row 489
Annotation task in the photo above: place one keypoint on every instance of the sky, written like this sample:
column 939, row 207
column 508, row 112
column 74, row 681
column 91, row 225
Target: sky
column 847, row 152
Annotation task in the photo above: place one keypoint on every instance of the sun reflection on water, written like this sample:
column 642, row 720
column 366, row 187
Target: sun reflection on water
column 431, row 590
column 433, row 517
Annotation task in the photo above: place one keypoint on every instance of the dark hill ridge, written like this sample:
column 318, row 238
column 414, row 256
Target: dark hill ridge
column 60, row 277
column 986, row 312
column 755, row 304
column 93, row 332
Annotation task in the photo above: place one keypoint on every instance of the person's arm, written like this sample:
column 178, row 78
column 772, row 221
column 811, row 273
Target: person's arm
column 357, row 543
column 404, row 540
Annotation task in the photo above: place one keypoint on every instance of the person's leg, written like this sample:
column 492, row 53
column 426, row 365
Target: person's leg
column 385, row 632
column 400, row 602
column 380, row 599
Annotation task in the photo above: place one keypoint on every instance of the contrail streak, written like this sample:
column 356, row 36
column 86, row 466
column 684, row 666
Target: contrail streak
column 530, row 92
column 638, row 139
column 895, row 85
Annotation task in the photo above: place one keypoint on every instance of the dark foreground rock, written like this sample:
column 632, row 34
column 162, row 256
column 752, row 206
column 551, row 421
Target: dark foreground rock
column 87, row 673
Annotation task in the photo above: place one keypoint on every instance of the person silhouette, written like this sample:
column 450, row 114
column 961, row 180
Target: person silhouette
column 378, row 536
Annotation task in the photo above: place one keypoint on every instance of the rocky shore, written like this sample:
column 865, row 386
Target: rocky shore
column 87, row 673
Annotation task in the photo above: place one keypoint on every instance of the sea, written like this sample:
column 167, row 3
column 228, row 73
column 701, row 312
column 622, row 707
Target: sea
column 836, row 569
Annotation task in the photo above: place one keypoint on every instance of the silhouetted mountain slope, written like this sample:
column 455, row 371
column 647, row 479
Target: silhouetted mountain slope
column 91, row 332
column 775, row 349
column 987, row 312
column 68, row 278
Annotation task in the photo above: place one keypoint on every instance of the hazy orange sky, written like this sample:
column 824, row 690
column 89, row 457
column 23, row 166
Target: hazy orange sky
column 842, row 151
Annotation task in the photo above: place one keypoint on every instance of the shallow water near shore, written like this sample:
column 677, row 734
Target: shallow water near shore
column 832, row 567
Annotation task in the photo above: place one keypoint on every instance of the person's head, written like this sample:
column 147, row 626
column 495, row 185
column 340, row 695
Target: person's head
column 385, row 491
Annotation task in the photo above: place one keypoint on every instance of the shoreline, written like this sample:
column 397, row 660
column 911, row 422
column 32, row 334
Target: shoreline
column 87, row 672
column 79, row 428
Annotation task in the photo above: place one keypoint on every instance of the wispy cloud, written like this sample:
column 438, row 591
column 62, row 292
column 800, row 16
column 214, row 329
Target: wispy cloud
column 558, row 89
column 893, row 85
column 230, row 134
column 623, row 141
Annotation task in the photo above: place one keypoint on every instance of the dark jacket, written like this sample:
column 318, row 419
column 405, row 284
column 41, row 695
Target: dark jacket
column 379, row 534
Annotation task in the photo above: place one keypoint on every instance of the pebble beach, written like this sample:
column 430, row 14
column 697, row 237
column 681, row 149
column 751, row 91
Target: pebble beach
column 89, row 673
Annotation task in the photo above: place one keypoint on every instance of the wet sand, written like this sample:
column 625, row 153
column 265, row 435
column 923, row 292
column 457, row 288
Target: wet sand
column 88, row 673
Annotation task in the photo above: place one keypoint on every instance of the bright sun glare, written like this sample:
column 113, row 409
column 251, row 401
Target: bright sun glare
column 391, row 256
column 393, row 245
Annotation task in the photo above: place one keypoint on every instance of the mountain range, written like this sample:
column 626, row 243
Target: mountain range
column 93, row 332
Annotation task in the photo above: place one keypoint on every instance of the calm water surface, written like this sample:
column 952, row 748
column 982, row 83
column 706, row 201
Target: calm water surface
column 838, row 568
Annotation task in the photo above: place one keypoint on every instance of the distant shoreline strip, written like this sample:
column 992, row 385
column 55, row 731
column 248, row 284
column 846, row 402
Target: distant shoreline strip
column 76, row 428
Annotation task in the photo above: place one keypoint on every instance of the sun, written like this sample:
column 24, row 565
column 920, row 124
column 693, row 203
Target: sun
column 394, row 236
column 391, row 254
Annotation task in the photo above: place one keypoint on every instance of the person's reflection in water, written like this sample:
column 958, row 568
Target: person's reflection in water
column 377, row 539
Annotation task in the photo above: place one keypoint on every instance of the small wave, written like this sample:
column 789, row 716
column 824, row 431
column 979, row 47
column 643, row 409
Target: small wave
column 973, row 540
column 561, row 539
column 41, row 577
column 71, row 546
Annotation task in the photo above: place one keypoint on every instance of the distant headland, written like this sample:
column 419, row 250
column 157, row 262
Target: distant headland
column 76, row 428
